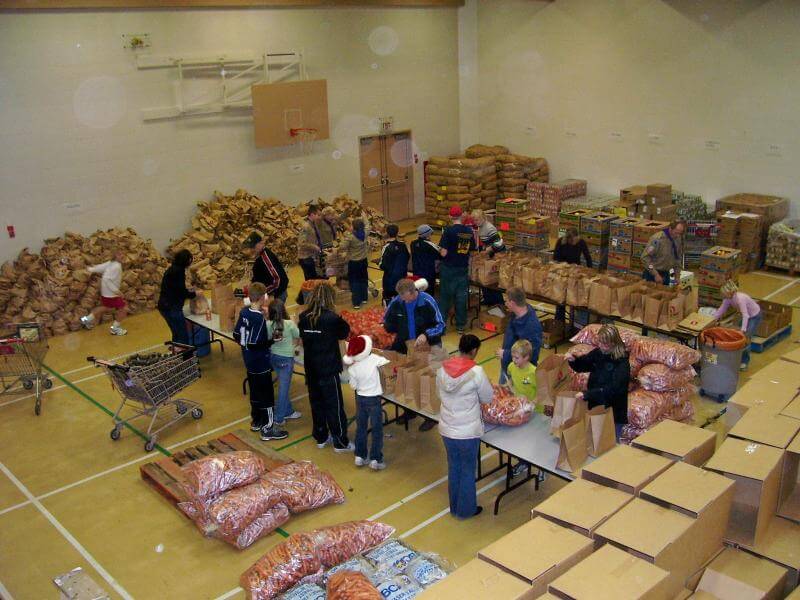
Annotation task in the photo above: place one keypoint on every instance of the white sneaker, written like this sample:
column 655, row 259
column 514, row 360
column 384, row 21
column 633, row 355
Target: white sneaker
column 118, row 330
column 325, row 443
column 294, row 415
column 360, row 462
column 743, row 367
column 87, row 321
column 377, row 466
column 351, row 447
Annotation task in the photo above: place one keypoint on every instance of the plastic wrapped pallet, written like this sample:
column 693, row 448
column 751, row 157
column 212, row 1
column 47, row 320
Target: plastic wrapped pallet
column 783, row 245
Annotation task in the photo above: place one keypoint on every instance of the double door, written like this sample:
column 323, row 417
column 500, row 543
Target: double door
column 387, row 181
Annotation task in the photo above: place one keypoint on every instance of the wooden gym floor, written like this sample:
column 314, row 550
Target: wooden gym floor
column 70, row 496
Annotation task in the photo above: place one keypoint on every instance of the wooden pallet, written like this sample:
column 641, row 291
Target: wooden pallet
column 165, row 475
column 759, row 344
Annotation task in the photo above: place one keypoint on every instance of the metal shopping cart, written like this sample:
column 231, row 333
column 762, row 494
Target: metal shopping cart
column 149, row 389
column 21, row 362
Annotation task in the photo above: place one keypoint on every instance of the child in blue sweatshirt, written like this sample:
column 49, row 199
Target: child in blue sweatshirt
column 252, row 334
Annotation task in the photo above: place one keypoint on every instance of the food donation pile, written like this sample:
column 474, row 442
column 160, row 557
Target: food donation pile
column 369, row 322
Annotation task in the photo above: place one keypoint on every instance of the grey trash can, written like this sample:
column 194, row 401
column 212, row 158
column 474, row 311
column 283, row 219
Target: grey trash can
column 722, row 350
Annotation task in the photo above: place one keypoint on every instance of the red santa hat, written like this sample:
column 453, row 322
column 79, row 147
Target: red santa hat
column 419, row 282
column 358, row 348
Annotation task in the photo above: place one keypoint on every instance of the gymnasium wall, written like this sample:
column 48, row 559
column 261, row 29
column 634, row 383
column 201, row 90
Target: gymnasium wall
column 563, row 79
column 71, row 131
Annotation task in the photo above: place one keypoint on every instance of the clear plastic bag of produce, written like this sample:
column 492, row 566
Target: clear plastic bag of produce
column 212, row 475
column 506, row 408
column 426, row 569
column 588, row 335
column 683, row 411
column 351, row 585
column 578, row 382
column 230, row 512
column 580, row 349
column 303, row 486
column 305, row 591
column 341, row 542
column 357, row 564
column 391, row 557
column 262, row 525
column 399, row 587
column 281, row 568
column 660, row 378
column 675, row 356
column 630, row 433
column 645, row 408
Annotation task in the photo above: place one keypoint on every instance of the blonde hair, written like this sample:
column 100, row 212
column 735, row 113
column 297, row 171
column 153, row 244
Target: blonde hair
column 477, row 214
column 523, row 348
column 256, row 291
column 322, row 298
column 609, row 336
column 729, row 287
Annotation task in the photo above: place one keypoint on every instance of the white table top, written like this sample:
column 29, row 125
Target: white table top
column 409, row 406
column 210, row 324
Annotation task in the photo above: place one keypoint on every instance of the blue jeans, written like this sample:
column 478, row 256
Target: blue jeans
column 752, row 325
column 462, row 462
column 177, row 324
column 454, row 292
column 283, row 366
column 369, row 414
column 618, row 430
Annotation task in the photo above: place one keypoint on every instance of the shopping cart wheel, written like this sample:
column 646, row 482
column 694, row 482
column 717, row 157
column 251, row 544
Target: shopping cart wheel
column 48, row 383
column 197, row 413
column 27, row 384
column 37, row 409
column 115, row 433
column 149, row 445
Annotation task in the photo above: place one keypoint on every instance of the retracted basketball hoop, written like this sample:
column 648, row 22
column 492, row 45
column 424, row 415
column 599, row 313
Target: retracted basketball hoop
column 304, row 136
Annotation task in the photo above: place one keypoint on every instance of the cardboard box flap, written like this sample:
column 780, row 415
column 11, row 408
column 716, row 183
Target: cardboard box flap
column 780, row 543
column 628, row 466
column 745, row 458
column 583, row 504
column 477, row 579
column 794, row 446
column 767, row 392
column 645, row 527
column 793, row 356
column 611, row 574
column 536, row 548
column 777, row 372
column 687, row 488
column 736, row 574
column 673, row 437
column 764, row 426
column 700, row 595
column 792, row 409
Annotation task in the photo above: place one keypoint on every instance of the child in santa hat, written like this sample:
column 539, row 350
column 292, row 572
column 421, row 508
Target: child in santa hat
column 365, row 379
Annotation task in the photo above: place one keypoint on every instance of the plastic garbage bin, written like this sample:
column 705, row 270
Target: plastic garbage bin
column 719, row 366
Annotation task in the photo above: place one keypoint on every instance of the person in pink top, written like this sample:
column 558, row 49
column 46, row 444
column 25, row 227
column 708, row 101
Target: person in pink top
column 751, row 314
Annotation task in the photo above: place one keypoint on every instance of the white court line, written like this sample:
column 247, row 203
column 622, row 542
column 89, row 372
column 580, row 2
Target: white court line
column 67, row 535
column 795, row 300
column 52, row 389
column 774, row 276
column 780, row 289
column 230, row 594
column 4, row 593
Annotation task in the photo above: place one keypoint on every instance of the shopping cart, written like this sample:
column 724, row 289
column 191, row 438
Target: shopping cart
column 22, row 355
column 149, row 389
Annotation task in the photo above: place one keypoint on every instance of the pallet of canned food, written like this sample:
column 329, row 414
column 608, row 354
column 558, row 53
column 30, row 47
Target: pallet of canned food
column 22, row 353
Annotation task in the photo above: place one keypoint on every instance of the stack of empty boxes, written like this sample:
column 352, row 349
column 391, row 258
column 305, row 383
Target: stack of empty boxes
column 507, row 214
column 700, row 236
column 717, row 265
column 742, row 231
column 620, row 251
column 595, row 229
column 533, row 232
column 653, row 201
column 642, row 232
column 546, row 198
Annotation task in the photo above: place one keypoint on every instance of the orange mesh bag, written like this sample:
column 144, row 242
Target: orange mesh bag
column 660, row 378
column 349, row 585
column 262, row 525
column 303, row 486
column 506, row 409
column 675, row 356
column 212, row 475
column 281, row 568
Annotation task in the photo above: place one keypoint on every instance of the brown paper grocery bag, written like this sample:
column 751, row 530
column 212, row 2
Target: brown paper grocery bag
column 428, row 392
column 671, row 311
column 229, row 313
column 572, row 446
column 220, row 294
column 652, row 309
column 551, row 374
column 600, row 295
column 567, row 407
column 388, row 375
column 600, row 434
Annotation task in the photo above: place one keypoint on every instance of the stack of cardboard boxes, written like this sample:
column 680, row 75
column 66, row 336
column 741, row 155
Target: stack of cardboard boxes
column 595, row 229
column 620, row 251
column 533, row 232
column 653, row 201
column 771, row 209
column 546, row 198
column 571, row 219
column 717, row 265
column 509, row 212
column 642, row 232
column 745, row 232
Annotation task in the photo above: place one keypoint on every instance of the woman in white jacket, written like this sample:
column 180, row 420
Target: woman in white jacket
column 463, row 387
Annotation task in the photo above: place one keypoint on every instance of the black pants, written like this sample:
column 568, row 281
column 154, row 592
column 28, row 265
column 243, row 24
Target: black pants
column 327, row 410
column 309, row 266
column 262, row 398
column 358, row 278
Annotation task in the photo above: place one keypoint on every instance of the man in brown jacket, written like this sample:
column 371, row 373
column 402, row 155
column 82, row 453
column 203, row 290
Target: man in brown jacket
column 663, row 252
column 309, row 245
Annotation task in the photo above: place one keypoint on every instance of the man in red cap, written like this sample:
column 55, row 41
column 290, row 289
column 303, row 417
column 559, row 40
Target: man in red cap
column 457, row 242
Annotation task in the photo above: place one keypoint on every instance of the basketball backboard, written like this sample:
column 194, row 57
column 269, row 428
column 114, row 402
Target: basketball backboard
column 279, row 108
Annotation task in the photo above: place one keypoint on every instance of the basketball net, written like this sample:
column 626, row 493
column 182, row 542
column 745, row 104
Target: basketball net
column 304, row 137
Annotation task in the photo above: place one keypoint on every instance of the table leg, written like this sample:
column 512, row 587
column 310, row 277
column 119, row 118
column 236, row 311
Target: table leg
column 511, row 487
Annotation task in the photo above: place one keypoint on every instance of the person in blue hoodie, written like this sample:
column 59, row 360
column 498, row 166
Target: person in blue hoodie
column 393, row 262
column 252, row 334
column 524, row 325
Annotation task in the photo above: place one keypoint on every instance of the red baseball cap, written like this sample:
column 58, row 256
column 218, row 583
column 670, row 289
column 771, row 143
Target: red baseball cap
column 455, row 211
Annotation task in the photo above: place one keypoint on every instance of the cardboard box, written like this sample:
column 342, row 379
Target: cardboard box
column 494, row 320
column 792, row 409
column 765, row 427
column 720, row 258
column 621, row 245
column 763, row 391
column 694, row 579
column 623, row 227
column 582, row 506
column 626, row 469
column 679, row 442
column 538, row 552
column 756, row 469
column 647, row 229
column 619, row 259
column 772, row 208
column 736, row 574
column 478, row 579
column 552, row 332
column 662, row 190
column 789, row 498
column 663, row 537
column 775, row 316
column 781, row 545
column 612, row 574
column 792, row 355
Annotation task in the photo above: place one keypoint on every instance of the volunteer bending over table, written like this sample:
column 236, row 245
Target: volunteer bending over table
column 609, row 375
column 751, row 314
column 663, row 252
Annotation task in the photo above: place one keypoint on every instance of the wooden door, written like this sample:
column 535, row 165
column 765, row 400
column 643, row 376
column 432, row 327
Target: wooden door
column 398, row 156
column 372, row 176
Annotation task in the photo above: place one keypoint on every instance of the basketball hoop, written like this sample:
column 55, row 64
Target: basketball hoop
column 304, row 136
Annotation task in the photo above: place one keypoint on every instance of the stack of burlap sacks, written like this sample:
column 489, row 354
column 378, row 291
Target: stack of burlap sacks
column 514, row 171
column 54, row 289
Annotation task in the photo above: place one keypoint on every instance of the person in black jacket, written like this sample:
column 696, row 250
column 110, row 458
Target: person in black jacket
column 609, row 375
column 174, row 293
column 267, row 268
column 570, row 248
column 393, row 263
column 424, row 257
column 321, row 329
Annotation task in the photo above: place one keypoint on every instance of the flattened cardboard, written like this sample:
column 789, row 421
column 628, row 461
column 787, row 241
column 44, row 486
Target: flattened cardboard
column 777, row 371
column 766, row 427
column 612, row 574
column 792, row 356
column 538, row 552
column 626, row 469
column 736, row 574
column 767, row 392
column 582, row 506
column 478, row 579
column 789, row 499
column 781, row 545
column 678, row 441
column 703, row 596
column 792, row 409
column 756, row 469
column 662, row 536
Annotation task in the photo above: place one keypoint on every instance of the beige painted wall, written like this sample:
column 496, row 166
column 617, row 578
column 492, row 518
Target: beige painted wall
column 71, row 132
column 689, row 71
